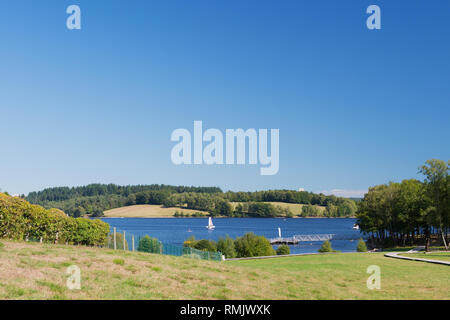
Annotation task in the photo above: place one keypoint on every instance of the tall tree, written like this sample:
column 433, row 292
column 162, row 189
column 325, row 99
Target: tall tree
column 436, row 174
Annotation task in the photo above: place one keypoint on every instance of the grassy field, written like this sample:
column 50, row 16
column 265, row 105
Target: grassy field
column 443, row 256
column 38, row 271
column 158, row 211
column 146, row 211
column 295, row 208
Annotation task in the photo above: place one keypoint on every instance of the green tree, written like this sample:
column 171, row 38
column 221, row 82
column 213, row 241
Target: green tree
column 361, row 246
column 206, row 245
column 310, row 211
column 436, row 174
column 251, row 245
column 151, row 245
column 226, row 247
column 283, row 250
column 326, row 247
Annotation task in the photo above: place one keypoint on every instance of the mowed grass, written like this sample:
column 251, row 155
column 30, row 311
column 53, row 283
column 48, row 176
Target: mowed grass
column 443, row 256
column 146, row 211
column 38, row 271
column 343, row 276
column 295, row 208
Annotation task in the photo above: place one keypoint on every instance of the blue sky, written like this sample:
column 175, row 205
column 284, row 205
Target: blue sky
column 355, row 107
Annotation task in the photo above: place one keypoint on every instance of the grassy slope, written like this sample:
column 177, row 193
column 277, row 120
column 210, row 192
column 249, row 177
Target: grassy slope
column 296, row 208
column 147, row 211
column 157, row 211
column 36, row 271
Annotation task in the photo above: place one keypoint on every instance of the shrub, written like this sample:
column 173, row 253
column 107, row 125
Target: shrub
column 203, row 245
column 226, row 247
column 251, row 245
column 326, row 247
column 361, row 246
column 151, row 245
column 206, row 245
column 119, row 261
column 283, row 249
column 20, row 220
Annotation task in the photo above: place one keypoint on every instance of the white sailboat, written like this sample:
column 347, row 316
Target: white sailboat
column 210, row 225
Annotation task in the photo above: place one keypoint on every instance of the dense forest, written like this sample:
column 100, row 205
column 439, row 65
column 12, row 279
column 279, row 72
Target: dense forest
column 410, row 212
column 95, row 198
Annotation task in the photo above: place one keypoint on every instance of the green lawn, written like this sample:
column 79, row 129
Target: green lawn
column 343, row 276
column 38, row 271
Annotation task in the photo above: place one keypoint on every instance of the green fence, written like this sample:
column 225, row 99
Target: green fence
column 122, row 240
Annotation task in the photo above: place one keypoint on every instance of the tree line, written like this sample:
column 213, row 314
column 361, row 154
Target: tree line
column 66, row 193
column 94, row 199
column 410, row 212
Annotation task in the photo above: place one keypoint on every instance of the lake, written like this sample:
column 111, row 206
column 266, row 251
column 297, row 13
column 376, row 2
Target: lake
column 176, row 230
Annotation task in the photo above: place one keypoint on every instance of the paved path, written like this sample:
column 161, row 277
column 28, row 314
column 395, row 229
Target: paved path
column 397, row 256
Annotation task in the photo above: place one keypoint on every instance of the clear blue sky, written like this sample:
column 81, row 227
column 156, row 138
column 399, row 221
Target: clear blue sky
column 355, row 107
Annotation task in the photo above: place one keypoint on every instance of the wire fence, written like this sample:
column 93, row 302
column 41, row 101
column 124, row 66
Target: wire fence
column 123, row 240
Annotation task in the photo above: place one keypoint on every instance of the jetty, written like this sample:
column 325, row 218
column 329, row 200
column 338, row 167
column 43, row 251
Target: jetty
column 301, row 238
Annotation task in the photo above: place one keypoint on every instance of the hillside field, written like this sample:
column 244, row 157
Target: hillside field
column 158, row 211
column 38, row 271
column 295, row 208
column 147, row 211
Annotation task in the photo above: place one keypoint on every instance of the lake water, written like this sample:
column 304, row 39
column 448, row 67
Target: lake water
column 176, row 230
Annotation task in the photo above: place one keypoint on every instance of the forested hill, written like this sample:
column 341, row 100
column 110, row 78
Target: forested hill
column 66, row 193
column 96, row 198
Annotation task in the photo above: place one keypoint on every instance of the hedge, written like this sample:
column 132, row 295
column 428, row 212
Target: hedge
column 20, row 220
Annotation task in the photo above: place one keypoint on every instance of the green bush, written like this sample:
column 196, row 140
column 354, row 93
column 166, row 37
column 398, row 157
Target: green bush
column 251, row 245
column 119, row 261
column 361, row 246
column 20, row 220
column 326, row 247
column 226, row 247
column 203, row 245
column 283, row 249
column 151, row 245
column 206, row 245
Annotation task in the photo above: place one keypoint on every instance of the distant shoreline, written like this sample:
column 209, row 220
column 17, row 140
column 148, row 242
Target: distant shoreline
column 219, row 217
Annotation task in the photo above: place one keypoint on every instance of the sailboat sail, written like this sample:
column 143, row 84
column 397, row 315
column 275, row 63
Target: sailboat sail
column 210, row 225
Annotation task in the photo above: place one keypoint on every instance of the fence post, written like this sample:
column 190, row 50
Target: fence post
column 132, row 241
column 124, row 241
column 115, row 244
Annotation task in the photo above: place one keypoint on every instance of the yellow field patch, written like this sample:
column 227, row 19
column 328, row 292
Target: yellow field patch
column 147, row 211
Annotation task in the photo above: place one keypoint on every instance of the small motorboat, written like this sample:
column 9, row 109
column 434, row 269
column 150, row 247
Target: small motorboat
column 355, row 227
column 210, row 225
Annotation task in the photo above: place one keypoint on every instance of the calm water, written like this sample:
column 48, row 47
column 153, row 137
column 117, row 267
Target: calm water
column 176, row 230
